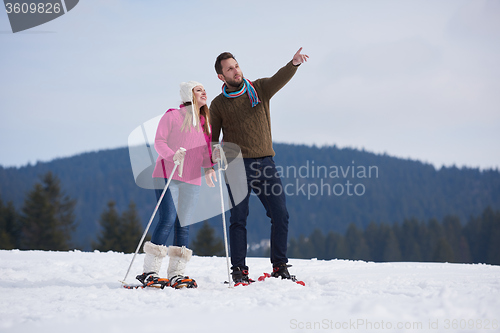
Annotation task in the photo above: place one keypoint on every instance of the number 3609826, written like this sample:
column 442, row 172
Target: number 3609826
column 25, row 8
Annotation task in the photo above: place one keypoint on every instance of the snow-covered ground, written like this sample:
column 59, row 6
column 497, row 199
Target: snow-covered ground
column 80, row 292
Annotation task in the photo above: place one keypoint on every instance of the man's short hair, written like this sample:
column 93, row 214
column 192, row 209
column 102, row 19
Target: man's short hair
column 222, row 56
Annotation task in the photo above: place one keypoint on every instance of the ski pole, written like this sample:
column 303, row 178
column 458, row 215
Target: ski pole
column 176, row 163
column 220, row 161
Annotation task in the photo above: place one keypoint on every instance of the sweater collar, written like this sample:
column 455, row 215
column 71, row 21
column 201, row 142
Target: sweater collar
column 231, row 89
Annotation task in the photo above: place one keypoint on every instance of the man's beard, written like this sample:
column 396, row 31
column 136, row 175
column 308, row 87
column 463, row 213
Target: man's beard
column 233, row 83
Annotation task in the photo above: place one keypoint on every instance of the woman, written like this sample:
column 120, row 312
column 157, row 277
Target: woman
column 187, row 127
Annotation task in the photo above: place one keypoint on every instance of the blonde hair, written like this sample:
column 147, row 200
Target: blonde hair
column 187, row 124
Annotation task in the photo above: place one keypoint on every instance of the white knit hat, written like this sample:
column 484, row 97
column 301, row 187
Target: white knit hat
column 187, row 95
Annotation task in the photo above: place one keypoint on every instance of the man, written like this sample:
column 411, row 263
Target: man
column 242, row 112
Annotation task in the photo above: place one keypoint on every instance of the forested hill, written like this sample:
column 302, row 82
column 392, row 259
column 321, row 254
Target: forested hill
column 326, row 187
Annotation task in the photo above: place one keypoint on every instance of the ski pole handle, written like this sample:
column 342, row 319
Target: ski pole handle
column 181, row 163
column 217, row 146
column 221, row 161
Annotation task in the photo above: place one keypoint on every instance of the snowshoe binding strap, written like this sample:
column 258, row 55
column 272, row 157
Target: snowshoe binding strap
column 179, row 281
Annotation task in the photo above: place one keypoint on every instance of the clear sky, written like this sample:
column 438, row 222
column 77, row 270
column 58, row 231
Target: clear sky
column 414, row 79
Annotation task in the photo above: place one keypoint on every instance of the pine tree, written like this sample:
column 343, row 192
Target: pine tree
column 453, row 233
column 317, row 240
column 120, row 233
column 206, row 244
column 409, row 240
column 432, row 239
column 392, row 251
column 47, row 217
column 483, row 234
column 293, row 248
column 374, row 241
column 111, row 230
column 475, row 235
column 443, row 251
column 336, row 246
column 382, row 242
column 9, row 227
column 132, row 229
column 494, row 239
column 356, row 243
column 305, row 248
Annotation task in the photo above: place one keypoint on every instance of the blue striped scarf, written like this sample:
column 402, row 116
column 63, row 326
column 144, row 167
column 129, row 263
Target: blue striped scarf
column 247, row 87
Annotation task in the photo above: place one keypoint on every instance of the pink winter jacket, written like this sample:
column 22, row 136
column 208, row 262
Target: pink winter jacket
column 169, row 139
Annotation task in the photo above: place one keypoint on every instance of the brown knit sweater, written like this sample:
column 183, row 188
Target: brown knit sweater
column 249, row 128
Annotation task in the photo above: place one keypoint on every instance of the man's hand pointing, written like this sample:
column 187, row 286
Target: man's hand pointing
column 299, row 58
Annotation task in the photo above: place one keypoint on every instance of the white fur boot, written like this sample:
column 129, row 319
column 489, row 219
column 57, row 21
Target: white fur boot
column 152, row 265
column 179, row 257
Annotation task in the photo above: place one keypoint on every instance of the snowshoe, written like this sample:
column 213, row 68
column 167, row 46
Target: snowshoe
column 281, row 271
column 180, row 281
column 151, row 279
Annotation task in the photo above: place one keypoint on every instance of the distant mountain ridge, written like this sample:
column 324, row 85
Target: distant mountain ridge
column 327, row 188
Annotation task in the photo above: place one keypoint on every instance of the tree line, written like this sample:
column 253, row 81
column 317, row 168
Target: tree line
column 47, row 222
column 478, row 241
column 398, row 189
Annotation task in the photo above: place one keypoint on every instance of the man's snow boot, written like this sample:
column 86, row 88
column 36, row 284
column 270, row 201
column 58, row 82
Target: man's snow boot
column 240, row 276
column 152, row 265
column 179, row 257
column 281, row 270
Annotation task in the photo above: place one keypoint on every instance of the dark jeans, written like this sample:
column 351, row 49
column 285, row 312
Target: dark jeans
column 262, row 178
